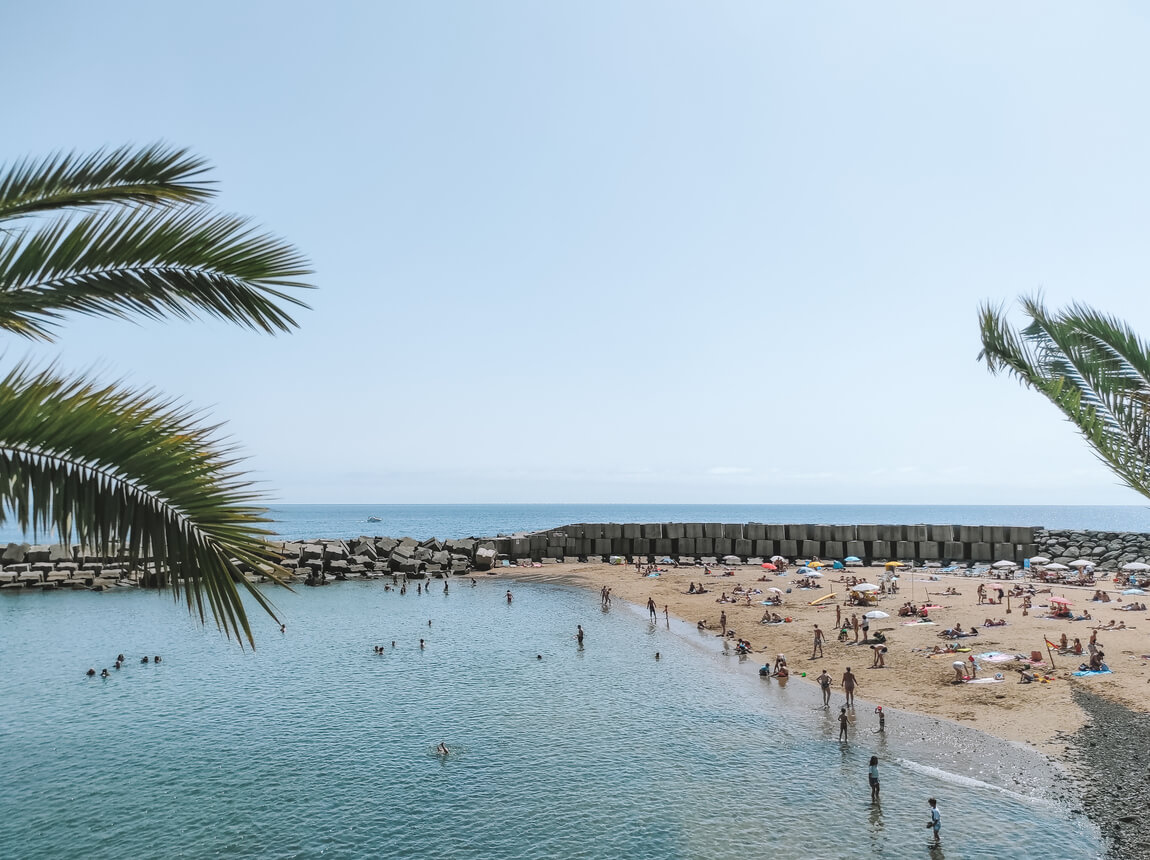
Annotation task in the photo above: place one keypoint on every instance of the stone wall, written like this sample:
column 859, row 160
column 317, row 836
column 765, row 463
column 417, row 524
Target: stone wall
column 319, row 561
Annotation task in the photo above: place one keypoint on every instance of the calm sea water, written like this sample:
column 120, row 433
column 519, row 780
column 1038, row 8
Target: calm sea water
column 313, row 746
column 296, row 522
column 455, row 521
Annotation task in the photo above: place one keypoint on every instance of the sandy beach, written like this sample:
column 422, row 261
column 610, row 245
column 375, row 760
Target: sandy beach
column 1039, row 714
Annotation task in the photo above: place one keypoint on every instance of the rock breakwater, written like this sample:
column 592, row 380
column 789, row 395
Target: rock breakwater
column 324, row 560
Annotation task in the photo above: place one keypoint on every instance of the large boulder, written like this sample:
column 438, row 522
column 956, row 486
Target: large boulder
column 15, row 553
column 485, row 558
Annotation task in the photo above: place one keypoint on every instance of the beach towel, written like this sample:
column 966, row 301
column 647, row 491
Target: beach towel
column 914, row 623
column 996, row 657
column 985, row 681
column 1083, row 674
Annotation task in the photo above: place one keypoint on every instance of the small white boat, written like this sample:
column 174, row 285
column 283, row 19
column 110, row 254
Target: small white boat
column 374, row 520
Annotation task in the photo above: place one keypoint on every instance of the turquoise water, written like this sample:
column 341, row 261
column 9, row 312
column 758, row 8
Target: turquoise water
column 455, row 521
column 313, row 746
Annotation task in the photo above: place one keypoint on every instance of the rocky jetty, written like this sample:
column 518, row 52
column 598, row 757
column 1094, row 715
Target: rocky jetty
column 320, row 561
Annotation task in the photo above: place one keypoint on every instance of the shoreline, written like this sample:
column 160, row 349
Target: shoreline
column 1055, row 728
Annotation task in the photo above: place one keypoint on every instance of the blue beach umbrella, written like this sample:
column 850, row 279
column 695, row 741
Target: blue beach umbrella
column 852, row 558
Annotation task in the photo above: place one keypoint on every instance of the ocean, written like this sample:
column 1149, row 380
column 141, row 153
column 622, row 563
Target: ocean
column 456, row 521
column 296, row 522
column 315, row 746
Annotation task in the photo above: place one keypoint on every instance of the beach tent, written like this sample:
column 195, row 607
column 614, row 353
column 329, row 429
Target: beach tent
column 1136, row 565
column 852, row 558
column 838, row 565
column 814, row 574
column 775, row 590
column 778, row 558
column 876, row 613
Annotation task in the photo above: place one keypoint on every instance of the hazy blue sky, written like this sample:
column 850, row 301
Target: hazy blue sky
column 627, row 251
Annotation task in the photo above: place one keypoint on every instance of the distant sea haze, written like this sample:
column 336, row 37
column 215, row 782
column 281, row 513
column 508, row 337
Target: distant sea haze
column 295, row 522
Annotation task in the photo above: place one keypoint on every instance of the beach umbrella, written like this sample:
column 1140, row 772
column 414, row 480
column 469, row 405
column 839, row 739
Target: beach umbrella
column 1057, row 566
column 768, row 566
column 1136, row 565
column 894, row 564
column 732, row 559
column 775, row 590
column 814, row 574
column 864, row 586
column 876, row 613
column 1082, row 562
column 852, row 558
column 1039, row 559
column 804, row 570
column 1061, row 600
column 777, row 558
column 816, row 564
column 1133, row 591
column 1004, row 563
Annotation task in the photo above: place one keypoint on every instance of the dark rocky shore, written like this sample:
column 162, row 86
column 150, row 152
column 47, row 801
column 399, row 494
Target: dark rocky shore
column 1109, row 756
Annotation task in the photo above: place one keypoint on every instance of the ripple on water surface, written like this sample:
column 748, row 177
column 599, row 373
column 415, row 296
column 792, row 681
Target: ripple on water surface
column 313, row 745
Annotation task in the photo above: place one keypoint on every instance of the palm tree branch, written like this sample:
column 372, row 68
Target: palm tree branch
column 153, row 175
column 117, row 468
column 150, row 263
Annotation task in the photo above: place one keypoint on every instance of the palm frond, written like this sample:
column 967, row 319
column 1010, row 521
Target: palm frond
column 149, row 175
column 1092, row 367
column 125, row 471
column 151, row 263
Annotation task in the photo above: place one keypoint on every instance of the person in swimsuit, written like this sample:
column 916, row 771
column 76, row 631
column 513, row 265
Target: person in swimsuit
column 825, row 683
column 935, row 820
column 844, row 721
column 849, row 684
column 817, row 648
column 509, row 597
column 872, row 778
column 442, row 749
column 579, row 635
column 652, row 609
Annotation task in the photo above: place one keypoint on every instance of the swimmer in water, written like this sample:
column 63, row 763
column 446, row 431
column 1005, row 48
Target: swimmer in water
column 656, row 655
column 104, row 673
column 442, row 749
column 91, row 673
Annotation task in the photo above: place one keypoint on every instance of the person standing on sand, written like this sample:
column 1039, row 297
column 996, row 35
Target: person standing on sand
column 838, row 616
column 818, row 646
column 849, row 684
column 652, row 609
column 855, row 625
column 981, row 592
column 825, row 685
column 843, row 722
column 723, row 621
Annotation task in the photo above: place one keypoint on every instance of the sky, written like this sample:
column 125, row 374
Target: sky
column 625, row 251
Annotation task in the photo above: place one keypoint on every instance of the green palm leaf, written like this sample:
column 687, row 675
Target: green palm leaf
column 1092, row 367
column 124, row 471
column 153, row 175
column 150, row 263
column 123, row 233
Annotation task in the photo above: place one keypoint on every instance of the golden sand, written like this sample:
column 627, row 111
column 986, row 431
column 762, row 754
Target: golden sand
column 1030, row 713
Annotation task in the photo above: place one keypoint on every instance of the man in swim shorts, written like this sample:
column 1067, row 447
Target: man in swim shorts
column 935, row 820
column 817, row 649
